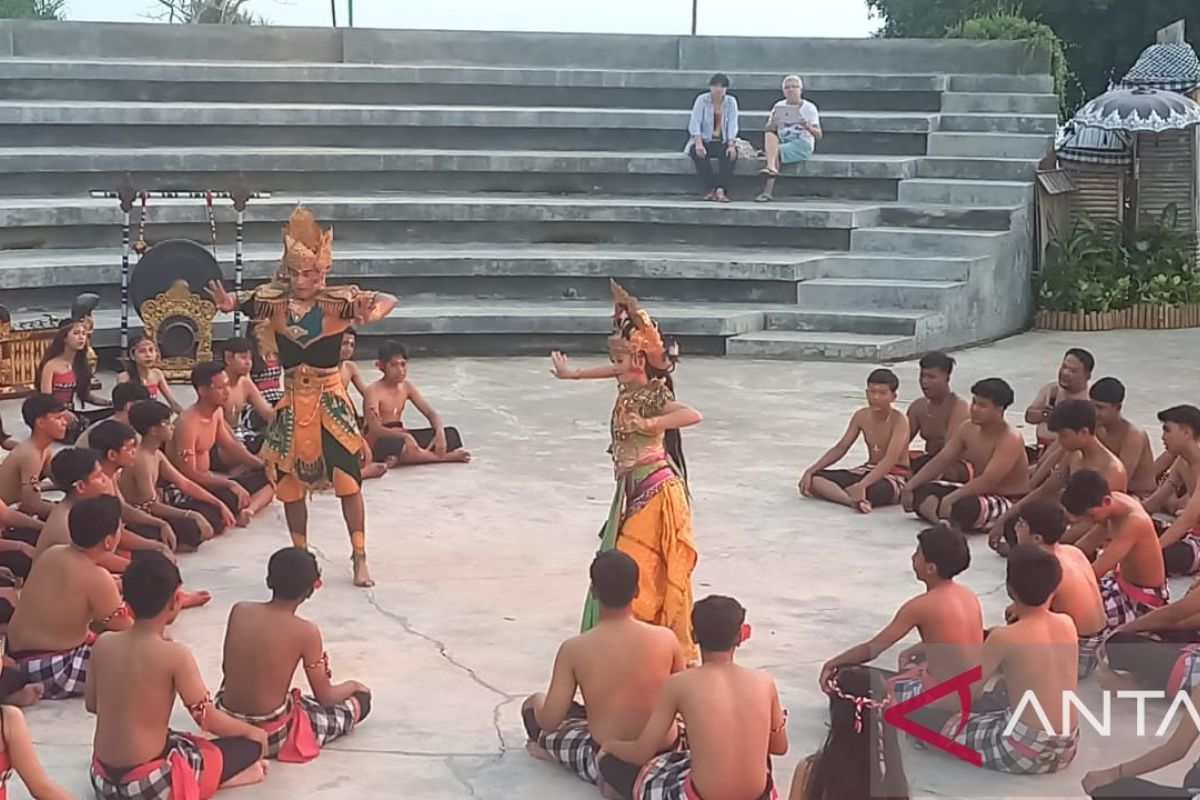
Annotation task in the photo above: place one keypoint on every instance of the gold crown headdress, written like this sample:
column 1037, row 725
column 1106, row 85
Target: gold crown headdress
column 305, row 244
column 635, row 330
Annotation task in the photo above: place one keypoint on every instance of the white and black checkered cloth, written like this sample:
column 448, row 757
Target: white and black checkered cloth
column 61, row 675
column 665, row 777
column 1089, row 652
column 1120, row 608
column 156, row 785
column 1172, row 67
column 1027, row 751
column 328, row 722
column 572, row 746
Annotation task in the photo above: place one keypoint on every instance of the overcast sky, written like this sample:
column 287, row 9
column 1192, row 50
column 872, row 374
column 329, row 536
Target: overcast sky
column 845, row 18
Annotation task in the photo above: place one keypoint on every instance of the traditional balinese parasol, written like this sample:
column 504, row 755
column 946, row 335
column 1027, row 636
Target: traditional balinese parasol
column 1139, row 110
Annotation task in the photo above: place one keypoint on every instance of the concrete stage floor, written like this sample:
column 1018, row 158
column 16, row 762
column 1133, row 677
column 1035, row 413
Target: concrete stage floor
column 482, row 568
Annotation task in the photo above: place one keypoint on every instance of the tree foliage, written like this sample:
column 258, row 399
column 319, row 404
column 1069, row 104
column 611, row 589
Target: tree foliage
column 207, row 12
column 32, row 9
column 1103, row 37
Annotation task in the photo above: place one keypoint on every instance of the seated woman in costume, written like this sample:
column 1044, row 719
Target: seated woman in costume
column 65, row 374
column 143, row 355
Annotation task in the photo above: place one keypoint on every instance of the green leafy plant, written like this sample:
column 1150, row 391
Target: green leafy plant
column 1009, row 24
column 1095, row 268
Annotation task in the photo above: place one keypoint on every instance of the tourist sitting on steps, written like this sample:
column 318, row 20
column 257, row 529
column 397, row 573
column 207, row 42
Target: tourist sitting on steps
column 792, row 130
column 713, row 129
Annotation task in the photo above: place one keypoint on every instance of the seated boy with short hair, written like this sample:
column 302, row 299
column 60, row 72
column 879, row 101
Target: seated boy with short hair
column 884, row 431
column 131, row 688
column 264, row 643
column 732, row 714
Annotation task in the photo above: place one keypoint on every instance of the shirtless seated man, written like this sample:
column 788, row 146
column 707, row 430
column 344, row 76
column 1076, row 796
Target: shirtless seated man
column 884, row 431
column 264, row 643
column 247, row 408
column 1041, row 523
column 116, row 442
column 68, row 591
column 140, row 481
column 131, row 688
column 732, row 714
column 1130, row 569
column 619, row 666
column 1130, row 442
column 124, row 395
column 1073, row 422
column 352, row 376
column 202, row 428
column 1175, row 505
column 22, row 470
column 937, row 414
column 996, row 454
column 385, row 401
column 947, row 616
column 1035, row 653
column 1071, row 384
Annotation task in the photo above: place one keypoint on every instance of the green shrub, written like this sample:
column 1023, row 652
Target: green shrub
column 1096, row 268
column 1010, row 25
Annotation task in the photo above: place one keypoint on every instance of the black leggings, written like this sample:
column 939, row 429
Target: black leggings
column 250, row 481
column 237, row 754
column 880, row 493
column 714, row 150
column 387, row 447
column 187, row 532
column 1150, row 662
column 19, row 563
column 1137, row 789
column 965, row 514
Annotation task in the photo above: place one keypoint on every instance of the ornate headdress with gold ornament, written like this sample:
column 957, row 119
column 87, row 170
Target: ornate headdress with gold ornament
column 635, row 330
column 305, row 245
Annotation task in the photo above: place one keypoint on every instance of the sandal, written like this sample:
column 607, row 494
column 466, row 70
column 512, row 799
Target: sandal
column 773, row 173
column 764, row 198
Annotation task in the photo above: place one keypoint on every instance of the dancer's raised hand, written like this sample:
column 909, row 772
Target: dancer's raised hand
column 222, row 299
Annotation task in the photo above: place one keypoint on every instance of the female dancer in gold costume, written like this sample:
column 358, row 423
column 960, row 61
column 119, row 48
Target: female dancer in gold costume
column 314, row 441
column 651, row 517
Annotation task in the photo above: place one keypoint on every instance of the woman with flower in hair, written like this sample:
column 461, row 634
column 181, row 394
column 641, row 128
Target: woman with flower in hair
column 860, row 759
column 650, row 518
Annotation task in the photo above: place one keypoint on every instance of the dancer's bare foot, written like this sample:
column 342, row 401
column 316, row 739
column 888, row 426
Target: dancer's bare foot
column 196, row 599
column 461, row 456
column 362, row 575
column 27, row 695
column 255, row 773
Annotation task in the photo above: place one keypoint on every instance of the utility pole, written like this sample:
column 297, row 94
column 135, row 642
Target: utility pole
column 333, row 11
column 695, row 14
column 350, row 8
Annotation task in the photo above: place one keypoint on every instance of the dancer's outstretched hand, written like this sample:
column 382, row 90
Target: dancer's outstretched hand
column 222, row 299
column 561, row 370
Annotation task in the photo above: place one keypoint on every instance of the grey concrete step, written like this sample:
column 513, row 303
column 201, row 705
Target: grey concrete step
column 886, row 266
column 150, row 42
column 821, row 346
column 77, row 170
column 390, row 84
column 84, row 123
column 850, row 319
column 914, row 241
column 1008, row 103
column 1004, row 122
column 1006, row 84
column 978, row 167
column 999, row 145
column 948, row 217
column 965, row 192
column 40, row 222
column 34, row 279
column 878, row 293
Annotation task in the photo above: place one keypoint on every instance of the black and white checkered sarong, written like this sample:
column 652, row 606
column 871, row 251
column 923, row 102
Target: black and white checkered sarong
column 1027, row 751
column 156, row 783
column 327, row 722
column 1089, row 652
column 666, row 777
column 61, row 675
column 572, row 745
column 1120, row 608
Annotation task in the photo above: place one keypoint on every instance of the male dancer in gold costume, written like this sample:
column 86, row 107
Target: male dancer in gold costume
column 314, row 441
